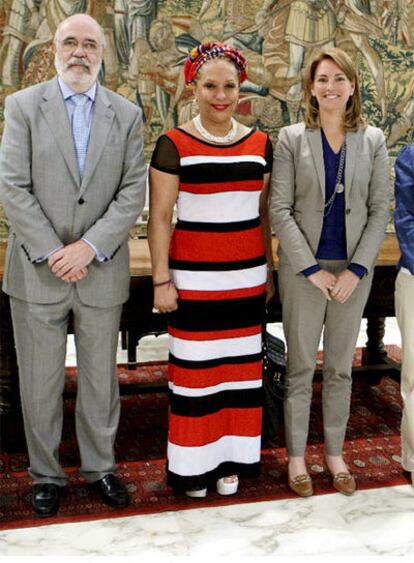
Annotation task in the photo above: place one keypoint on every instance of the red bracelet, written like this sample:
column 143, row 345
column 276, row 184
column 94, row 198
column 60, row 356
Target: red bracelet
column 159, row 284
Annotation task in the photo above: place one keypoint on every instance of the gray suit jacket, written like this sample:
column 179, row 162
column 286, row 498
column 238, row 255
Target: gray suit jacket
column 48, row 205
column 297, row 195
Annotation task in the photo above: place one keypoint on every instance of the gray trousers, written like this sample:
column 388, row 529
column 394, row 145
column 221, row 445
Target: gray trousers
column 404, row 309
column 40, row 333
column 306, row 312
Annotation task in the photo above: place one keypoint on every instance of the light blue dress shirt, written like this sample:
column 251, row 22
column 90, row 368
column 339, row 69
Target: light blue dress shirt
column 67, row 93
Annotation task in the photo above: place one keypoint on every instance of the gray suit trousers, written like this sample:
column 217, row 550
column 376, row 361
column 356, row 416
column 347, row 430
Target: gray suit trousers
column 306, row 312
column 40, row 332
column 404, row 309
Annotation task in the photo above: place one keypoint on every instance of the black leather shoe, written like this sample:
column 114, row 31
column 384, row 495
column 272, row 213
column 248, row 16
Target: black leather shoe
column 112, row 491
column 45, row 499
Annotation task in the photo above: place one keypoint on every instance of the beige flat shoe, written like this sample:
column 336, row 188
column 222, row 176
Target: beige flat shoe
column 301, row 485
column 344, row 483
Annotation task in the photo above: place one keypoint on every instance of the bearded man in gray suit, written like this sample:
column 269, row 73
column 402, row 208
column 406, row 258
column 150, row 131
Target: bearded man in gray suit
column 72, row 182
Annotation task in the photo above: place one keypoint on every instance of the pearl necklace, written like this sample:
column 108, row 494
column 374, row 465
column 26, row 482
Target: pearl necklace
column 214, row 138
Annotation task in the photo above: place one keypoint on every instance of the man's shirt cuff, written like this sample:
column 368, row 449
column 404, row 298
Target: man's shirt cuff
column 43, row 258
column 99, row 256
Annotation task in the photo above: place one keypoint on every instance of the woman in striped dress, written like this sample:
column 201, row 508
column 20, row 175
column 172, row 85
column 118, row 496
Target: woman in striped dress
column 212, row 276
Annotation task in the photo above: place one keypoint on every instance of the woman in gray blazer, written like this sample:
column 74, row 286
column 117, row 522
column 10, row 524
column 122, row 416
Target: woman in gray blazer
column 329, row 210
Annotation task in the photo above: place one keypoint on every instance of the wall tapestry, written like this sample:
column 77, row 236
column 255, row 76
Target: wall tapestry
column 147, row 42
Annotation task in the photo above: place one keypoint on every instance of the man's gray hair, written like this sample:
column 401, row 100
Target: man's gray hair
column 57, row 33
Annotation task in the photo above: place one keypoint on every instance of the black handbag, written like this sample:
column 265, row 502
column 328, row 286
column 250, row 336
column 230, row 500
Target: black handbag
column 274, row 370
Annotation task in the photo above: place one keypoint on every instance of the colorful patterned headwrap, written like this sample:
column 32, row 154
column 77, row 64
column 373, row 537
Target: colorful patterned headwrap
column 212, row 50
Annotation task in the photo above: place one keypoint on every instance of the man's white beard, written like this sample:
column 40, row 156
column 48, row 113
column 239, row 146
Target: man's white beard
column 78, row 83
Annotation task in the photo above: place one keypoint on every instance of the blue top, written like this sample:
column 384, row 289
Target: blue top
column 332, row 244
column 404, row 206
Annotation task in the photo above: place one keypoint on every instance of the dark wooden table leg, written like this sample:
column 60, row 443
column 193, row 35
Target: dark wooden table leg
column 124, row 339
column 12, row 437
column 132, row 343
column 375, row 359
column 374, row 351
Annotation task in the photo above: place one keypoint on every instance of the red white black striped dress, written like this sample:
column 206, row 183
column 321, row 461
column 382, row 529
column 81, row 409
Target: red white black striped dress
column 217, row 260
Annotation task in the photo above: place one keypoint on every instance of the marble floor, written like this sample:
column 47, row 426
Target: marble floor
column 378, row 522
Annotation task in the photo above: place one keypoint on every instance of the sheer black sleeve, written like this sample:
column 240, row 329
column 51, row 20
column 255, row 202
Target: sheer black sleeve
column 165, row 156
column 268, row 156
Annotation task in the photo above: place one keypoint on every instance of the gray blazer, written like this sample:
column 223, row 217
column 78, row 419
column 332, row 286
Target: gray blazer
column 297, row 195
column 48, row 205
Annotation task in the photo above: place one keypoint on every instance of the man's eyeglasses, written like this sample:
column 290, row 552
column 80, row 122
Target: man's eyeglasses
column 69, row 45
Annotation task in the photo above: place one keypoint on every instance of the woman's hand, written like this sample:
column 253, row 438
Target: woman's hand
column 165, row 298
column 323, row 280
column 345, row 284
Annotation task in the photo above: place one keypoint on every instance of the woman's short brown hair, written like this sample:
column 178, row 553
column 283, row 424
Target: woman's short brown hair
column 353, row 114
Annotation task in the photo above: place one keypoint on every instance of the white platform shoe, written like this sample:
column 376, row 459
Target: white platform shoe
column 196, row 493
column 227, row 488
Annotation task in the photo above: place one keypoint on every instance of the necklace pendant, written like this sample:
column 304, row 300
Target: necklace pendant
column 339, row 188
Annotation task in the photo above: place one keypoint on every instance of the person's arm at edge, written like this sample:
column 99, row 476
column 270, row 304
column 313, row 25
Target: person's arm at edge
column 34, row 230
column 404, row 205
column 163, row 195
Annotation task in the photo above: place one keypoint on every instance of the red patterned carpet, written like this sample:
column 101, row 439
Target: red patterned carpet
column 372, row 451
